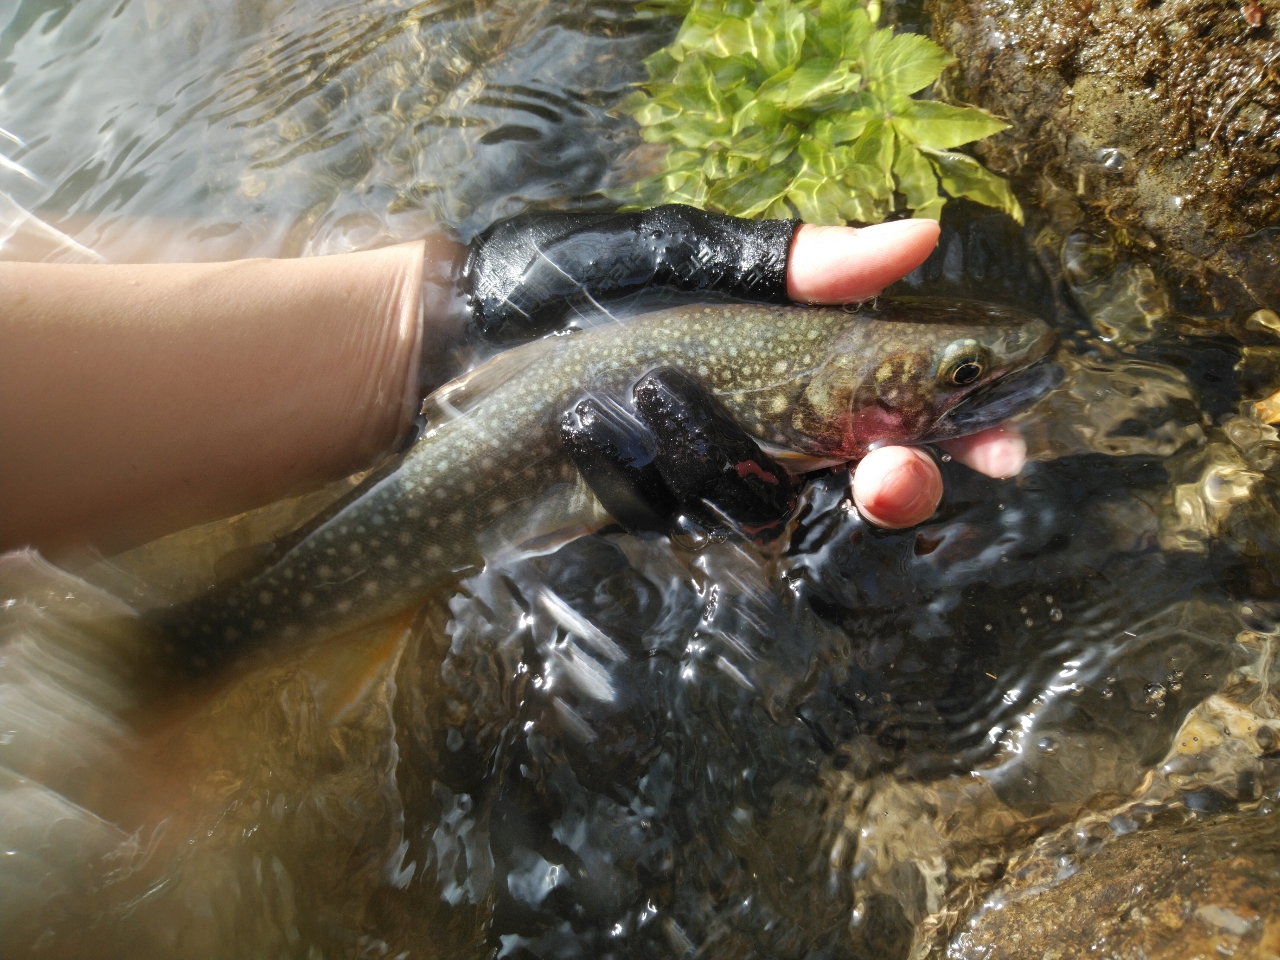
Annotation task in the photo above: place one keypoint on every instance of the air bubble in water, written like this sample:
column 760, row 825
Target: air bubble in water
column 1156, row 693
column 1048, row 746
column 1055, row 614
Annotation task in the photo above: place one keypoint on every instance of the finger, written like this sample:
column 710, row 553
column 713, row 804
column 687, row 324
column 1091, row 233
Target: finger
column 999, row 452
column 843, row 264
column 897, row 487
column 705, row 457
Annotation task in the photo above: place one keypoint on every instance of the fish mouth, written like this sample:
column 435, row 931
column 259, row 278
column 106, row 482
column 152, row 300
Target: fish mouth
column 998, row 401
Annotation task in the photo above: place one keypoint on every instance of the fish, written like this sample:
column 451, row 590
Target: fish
column 814, row 385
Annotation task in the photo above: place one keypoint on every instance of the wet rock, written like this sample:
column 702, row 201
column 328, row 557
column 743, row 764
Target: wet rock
column 1159, row 122
column 1179, row 890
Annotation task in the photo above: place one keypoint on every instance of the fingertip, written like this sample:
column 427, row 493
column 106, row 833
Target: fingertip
column 844, row 264
column 999, row 452
column 897, row 487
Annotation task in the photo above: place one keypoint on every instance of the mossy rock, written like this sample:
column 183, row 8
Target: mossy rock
column 1160, row 118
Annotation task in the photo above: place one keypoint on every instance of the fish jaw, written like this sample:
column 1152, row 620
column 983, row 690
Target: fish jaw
column 998, row 401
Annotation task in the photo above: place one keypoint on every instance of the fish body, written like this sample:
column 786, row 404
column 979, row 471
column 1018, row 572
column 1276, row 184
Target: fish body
column 823, row 384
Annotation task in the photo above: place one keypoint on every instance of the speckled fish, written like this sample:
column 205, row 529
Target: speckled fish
column 814, row 385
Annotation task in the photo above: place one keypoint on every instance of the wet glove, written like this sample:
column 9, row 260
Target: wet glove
column 524, row 274
column 672, row 453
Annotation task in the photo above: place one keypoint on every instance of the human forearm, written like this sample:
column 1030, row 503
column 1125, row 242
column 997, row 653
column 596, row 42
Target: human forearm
column 139, row 399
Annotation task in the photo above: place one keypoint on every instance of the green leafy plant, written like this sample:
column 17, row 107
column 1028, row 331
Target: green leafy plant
column 777, row 107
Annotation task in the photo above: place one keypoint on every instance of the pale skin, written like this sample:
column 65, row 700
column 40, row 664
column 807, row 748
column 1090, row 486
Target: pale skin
column 136, row 400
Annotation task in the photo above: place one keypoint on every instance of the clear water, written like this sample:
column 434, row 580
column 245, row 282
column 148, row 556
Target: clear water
column 830, row 747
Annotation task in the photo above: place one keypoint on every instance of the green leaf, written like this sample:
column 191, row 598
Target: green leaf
column 819, row 78
column 765, row 145
column 761, row 114
column 850, row 126
column 864, row 207
column 857, row 29
column 785, row 144
column 701, row 133
column 902, row 63
column 817, row 157
column 917, row 181
column 867, row 181
column 661, row 65
column 963, row 176
column 941, row 126
column 685, row 187
column 778, row 28
column 750, row 193
column 874, row 151
column 829, row 31
column 817, row 198
column 678, row 159
column 773, row 105
column 778, row 210
column 774, row 90
column 730, row 72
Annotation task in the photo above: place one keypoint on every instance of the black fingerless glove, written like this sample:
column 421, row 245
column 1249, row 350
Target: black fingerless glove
column 672, row 449
column 525, row 273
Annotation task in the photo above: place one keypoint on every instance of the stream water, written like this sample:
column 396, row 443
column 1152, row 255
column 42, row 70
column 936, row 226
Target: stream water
column 827, row 748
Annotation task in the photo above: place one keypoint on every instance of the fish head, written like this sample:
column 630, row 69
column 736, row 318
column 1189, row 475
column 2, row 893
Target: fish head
column 916, row 370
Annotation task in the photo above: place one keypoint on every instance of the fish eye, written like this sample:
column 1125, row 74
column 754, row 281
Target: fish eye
column 966, row 371
column 966, row 363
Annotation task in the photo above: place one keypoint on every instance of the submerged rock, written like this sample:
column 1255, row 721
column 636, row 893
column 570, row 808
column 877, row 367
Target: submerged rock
column 1180, row 890
column 1159, row 122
